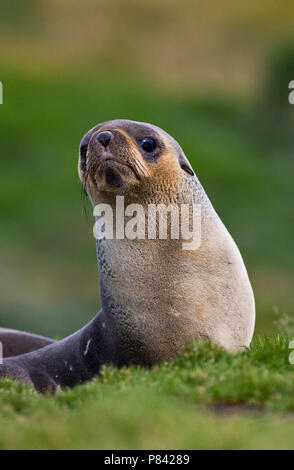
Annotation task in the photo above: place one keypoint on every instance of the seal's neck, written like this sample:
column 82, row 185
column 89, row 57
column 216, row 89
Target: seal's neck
column 145, row 285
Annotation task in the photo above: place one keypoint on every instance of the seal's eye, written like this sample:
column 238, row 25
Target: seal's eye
column 84, row 149
column 83, row 153
column 148, row 144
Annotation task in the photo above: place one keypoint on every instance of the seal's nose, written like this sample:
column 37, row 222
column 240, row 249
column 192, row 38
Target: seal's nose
column 104, row 138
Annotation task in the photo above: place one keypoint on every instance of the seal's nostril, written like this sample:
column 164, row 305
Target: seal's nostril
column 104, row 138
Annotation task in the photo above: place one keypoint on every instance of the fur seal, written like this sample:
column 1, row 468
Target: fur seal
column 155, row 296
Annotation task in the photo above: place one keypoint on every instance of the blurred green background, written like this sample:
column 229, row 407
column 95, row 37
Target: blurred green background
column 214, row 76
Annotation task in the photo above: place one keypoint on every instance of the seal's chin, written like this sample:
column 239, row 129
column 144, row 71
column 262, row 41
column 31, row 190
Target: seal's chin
column 115, row 176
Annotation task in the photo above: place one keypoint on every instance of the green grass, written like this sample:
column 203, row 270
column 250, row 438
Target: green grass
column 206, row 399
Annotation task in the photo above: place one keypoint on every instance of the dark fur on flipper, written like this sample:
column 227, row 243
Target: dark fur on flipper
column 19, row 342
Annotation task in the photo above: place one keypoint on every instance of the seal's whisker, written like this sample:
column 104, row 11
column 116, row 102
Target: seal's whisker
column 140, row 167
column 84, row 196
column 85, row 204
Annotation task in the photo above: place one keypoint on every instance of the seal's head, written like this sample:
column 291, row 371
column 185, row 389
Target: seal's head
column 128, row 157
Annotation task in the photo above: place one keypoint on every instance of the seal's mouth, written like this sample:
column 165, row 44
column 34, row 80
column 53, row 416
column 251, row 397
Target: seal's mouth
column 112, row 174
column 110, row 164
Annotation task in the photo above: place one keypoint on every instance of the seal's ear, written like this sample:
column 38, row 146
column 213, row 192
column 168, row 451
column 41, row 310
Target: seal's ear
column 185, row 165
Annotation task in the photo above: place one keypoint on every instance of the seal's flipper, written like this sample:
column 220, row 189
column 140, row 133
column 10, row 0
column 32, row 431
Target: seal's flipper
column 16, row 342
